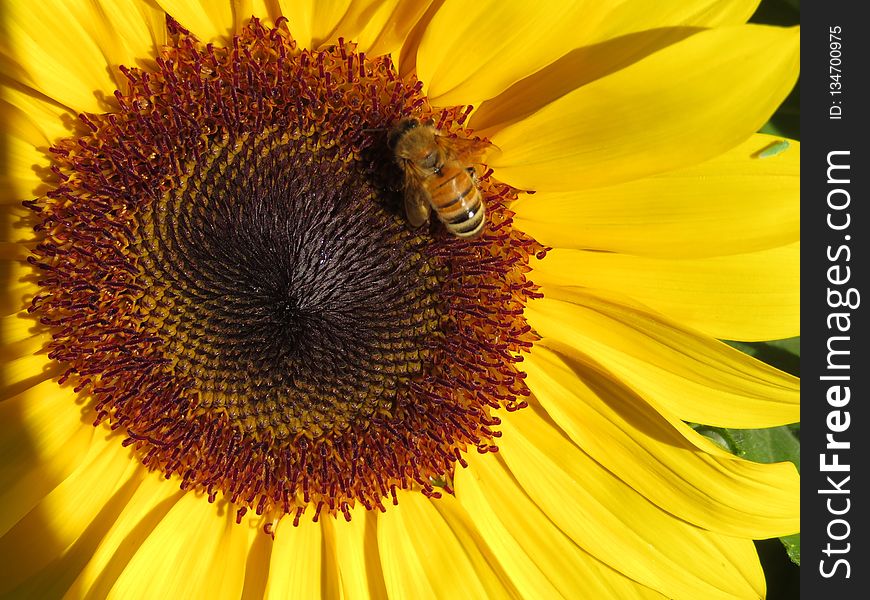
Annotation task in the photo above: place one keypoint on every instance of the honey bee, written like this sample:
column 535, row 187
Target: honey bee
column 438, row 176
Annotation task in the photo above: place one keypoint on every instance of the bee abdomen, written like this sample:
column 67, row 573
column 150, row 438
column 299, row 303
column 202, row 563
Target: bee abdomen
column 469, row 220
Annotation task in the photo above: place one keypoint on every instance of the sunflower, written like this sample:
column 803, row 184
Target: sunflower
column 232, row 368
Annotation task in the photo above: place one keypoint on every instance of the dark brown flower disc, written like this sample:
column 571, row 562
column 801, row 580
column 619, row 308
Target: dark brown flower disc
column 228, row 278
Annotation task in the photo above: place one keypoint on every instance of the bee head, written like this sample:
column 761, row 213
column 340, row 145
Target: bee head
column 401, row 128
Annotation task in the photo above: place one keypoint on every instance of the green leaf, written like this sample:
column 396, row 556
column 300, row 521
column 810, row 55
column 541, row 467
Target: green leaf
column 774, row 444
column 782, row 354
column 777, row 12
column 770, row 128
column 791, row 345
column 792, row 545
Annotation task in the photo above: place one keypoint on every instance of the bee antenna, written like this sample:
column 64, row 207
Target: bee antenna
column 368, row 130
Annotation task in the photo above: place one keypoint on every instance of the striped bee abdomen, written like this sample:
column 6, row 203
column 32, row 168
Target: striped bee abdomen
column 457, row 201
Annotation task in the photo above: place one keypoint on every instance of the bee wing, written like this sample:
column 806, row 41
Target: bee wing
column 465, row 150
column 416, row 202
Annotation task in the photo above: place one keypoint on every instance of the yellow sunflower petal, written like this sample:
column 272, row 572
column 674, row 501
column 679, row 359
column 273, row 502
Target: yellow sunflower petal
column 42, row 441
column 572, row 71
column 628, row 437
column 21, row 349
column 257, row 565
column 141, row 514
column 651, row 27
column 634, row 16
column 312, row 23
column 17, row 280
column 198, row 553
column 380, row 27
column 299, row 16
column 47, row 48
column 127, row 32
column 731, row 204
column 30, row 124
column 685, row 375
column 620, row 527
column 325, row 18
column 24, row 358
column 17, row 327
column 354, row 546
column 751, row 297
column 377, row 27
column 427, row 551
column 539, row 558
column 20, row 181
column 16, row 295
column 494, row 43
column 34, row 118
column 502, row 42
column 295, row 565
column 212, row 21
column 76, row 512
column 25, row 371
column 676, row 107
column 16, row 242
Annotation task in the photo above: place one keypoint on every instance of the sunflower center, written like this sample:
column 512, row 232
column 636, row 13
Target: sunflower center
column 227, row 279
column 295, row 302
